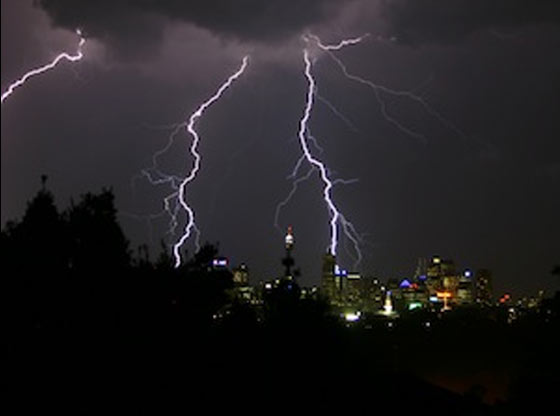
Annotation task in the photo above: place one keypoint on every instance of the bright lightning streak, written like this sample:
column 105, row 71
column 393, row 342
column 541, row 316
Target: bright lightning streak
column 320, row 166
column 72, row 58
column 197, row 159
column 339, row 45
column 305, row 138
column 176, row 201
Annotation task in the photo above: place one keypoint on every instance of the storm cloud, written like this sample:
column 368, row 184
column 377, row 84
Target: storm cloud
column 450, row 21
column 123, row 24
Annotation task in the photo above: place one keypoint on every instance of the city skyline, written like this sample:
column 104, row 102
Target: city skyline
column 479, row 289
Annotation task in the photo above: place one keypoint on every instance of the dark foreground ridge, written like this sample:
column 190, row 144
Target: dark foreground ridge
column 91, row 329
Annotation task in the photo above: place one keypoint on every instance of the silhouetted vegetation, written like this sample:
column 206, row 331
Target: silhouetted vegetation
column 87, row 321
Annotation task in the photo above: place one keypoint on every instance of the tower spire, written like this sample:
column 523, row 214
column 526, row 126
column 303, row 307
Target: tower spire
column 288, row 261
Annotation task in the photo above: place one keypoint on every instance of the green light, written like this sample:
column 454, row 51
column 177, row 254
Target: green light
column 414, row 305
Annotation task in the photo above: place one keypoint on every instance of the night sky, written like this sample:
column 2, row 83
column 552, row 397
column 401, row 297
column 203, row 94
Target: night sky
column 481, row 187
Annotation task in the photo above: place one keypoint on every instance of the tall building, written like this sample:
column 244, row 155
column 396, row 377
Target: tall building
column 344, row 290
column 433, row 274
column 328, row 283
column 372, row 295
column 483, row 287
column 421, row 268
column 441, row 276
column 288, row 261
column 353, row 291
column 465, row 290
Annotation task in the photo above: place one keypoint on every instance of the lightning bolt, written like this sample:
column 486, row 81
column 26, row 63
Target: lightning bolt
column 197, row 159
column 174, row 202
column 337, row 219
column 34, row 72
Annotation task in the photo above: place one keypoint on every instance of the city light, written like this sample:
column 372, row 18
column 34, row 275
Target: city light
column 388, row 306
column 445, row 296
column 339, row 272
column 352, row 316
column 414, row 305
column 506, row 297
column 221, row 262
column 405, row 284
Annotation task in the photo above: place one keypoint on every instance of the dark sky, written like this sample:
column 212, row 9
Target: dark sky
column 487, row 196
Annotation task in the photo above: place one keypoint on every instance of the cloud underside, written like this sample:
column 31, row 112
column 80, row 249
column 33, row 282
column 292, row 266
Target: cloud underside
column 131, row 27
column 123, row 23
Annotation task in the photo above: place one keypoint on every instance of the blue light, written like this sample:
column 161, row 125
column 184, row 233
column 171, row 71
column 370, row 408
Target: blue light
column 220, row 262
column 340, row 272
column 422, row 277
column 404, row 284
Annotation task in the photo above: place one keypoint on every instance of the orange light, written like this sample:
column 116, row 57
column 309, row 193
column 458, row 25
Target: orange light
column 445, row 295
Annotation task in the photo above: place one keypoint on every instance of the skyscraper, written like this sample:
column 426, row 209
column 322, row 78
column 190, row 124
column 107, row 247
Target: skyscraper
column 328, row 283
column 465, row 290
column 421, row 268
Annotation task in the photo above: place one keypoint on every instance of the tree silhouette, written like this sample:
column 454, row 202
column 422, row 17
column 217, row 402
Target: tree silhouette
column 97, row 240
column 52, row 259
column 37, row 241
column 34, row 260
